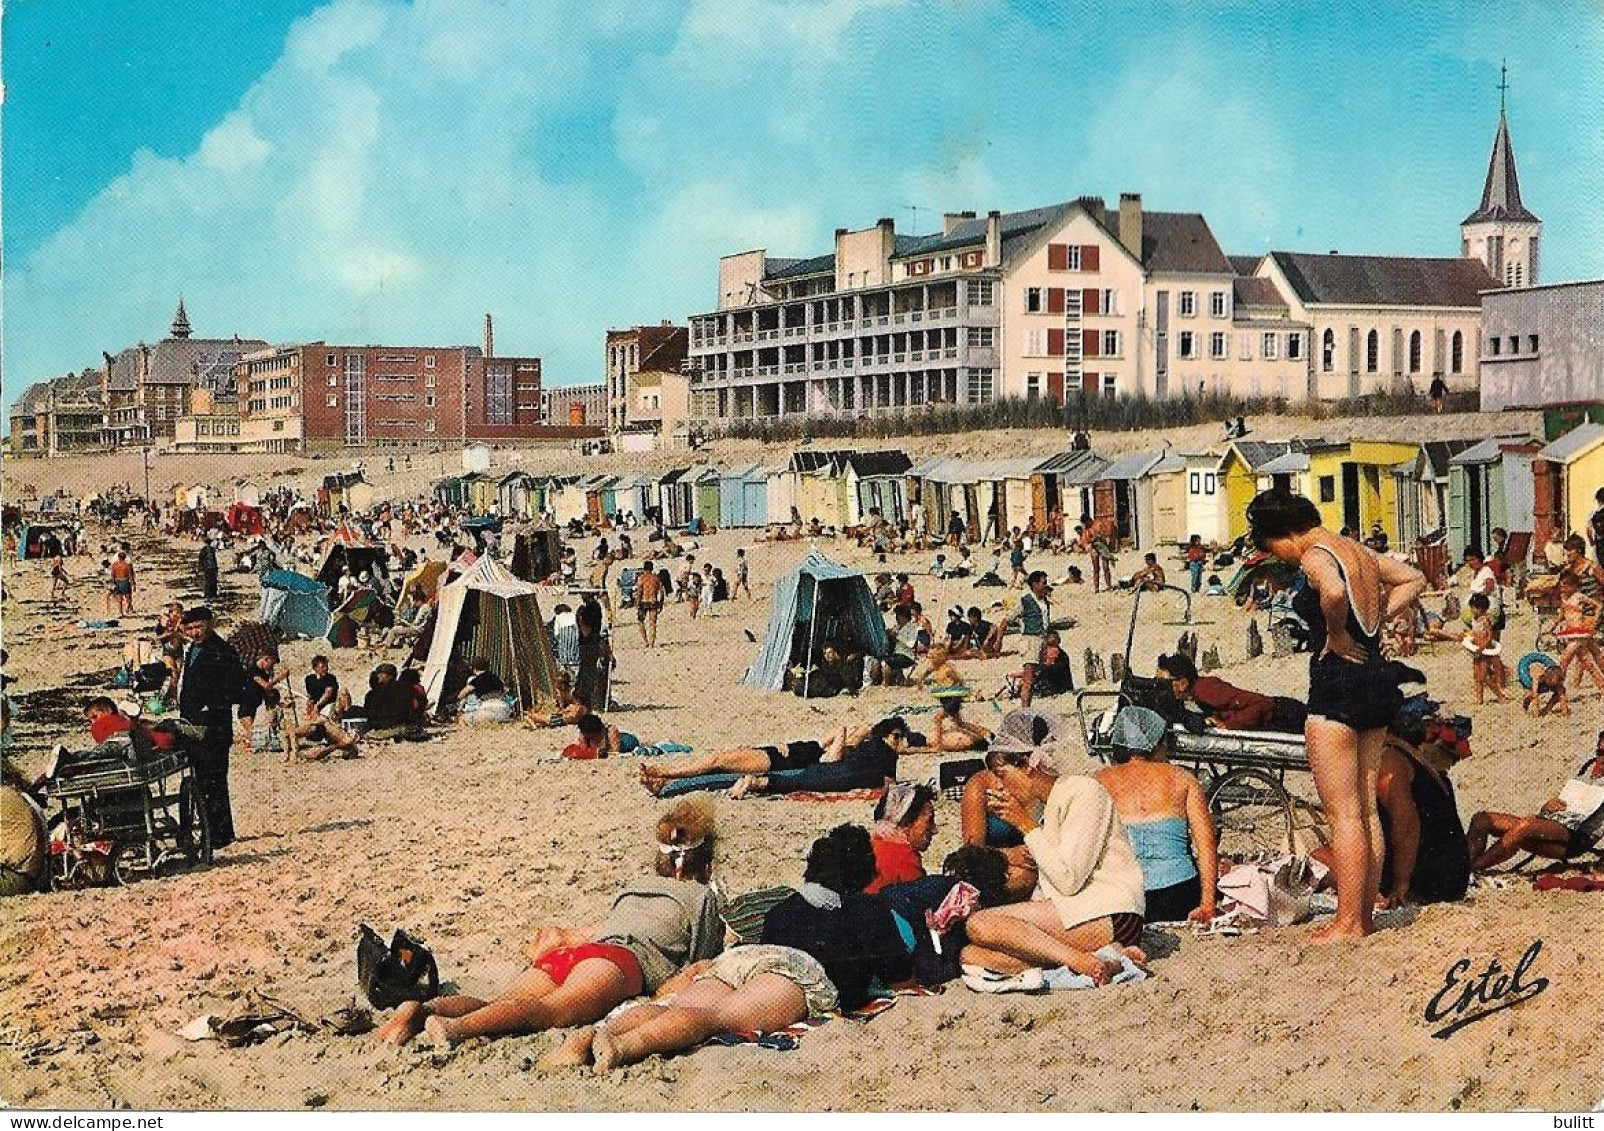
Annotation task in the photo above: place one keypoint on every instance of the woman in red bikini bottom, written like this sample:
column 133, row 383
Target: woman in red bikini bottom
column 657, row 925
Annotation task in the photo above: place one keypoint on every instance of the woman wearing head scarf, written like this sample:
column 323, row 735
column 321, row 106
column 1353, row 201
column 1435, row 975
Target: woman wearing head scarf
column 1353, row 693
column 904, row 826
column 658, row 924
column 822, row 948
column 1089, row 893
column 1166, row 818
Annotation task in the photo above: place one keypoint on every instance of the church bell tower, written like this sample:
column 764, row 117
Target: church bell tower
column 1502, row 233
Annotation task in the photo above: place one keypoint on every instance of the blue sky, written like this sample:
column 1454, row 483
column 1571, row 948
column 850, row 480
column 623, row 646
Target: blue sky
column 387, row 171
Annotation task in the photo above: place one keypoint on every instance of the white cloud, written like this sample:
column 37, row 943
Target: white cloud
column 233, row 145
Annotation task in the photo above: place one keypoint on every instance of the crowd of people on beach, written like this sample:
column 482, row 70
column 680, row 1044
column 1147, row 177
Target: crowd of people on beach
column 1059, row 872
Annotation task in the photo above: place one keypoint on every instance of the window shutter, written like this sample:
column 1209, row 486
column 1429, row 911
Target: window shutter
column 1091, row 343
column 1055, row 343
column 1088, row 257
column 1055, row 300
column 1055, row 387
column 1057, row 257
column 1091, row 301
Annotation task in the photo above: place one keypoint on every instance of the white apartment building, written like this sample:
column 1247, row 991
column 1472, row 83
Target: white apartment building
column 1052, row 302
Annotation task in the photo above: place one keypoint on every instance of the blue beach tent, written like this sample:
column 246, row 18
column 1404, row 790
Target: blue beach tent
column 817, row 603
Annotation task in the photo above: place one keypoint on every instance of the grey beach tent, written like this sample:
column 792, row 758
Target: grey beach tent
column 817, row 603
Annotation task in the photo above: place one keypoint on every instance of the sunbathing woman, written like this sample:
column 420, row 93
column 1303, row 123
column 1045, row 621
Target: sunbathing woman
column 951, row 733
column 657, row 925
column 904, row 826
column 1091, row 890
column 658, row 772
column 821, row 949
column 1166, row 818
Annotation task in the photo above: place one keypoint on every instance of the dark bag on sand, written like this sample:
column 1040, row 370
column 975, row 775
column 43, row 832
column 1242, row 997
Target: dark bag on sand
column 390, row 975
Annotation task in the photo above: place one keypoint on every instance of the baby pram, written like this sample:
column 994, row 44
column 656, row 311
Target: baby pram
column 1243, row 772
column 125, row 811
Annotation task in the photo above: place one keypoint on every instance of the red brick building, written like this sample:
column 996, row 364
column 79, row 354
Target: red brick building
column 321, row 396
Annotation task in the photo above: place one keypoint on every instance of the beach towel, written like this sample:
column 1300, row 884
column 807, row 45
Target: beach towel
column 746, row 913
column 682, row 786
column 789, row 1038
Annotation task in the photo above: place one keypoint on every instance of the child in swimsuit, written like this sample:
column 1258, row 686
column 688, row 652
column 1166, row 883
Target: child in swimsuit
column 1480, row 644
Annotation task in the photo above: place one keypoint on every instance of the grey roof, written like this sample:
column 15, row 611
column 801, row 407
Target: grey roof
column 1383, row 280
column 1172, row 461
column 1175, row 241
column 1488, row 450
column 1288, row 463
column 1256, row 453
column 1439, row 452
column 1132, row 466
column 796, row 268
column 888, row 462
column 1086, row 472
column 1500, row 197
column 671, row 476
column 1021, row 467
column 1244, row 264
column 817, row 459
column 122, row 370
column 1171, row 241
column 1251, row 290
column 1579, row 440
column 1016, row 226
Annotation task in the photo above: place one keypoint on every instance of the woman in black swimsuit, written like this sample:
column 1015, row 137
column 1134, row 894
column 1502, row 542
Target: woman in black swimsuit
column 1351, row 592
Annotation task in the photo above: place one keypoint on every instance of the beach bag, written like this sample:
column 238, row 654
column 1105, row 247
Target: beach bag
column 390, row 975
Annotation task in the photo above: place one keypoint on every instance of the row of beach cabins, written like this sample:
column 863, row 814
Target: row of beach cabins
column 1463, row 488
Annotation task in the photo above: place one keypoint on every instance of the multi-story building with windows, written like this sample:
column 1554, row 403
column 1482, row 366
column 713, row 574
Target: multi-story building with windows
column 323, row 396
column 1052, row 302
column 147, row 388
column 574, row 406
column 640, row 349
column 1077, row 298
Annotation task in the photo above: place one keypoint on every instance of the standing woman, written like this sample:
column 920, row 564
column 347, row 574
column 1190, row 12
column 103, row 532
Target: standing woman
column 1351, row 592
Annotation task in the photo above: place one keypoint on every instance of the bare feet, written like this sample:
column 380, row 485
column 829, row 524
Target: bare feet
column 437, row 1034
column 406, row 1024
column 651, row 779
column 748, row 786
column 608, row 1051
column 572, row 1053
column 1337, row 932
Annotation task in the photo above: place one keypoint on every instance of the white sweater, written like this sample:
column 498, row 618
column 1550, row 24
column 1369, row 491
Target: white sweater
column 1083, row 858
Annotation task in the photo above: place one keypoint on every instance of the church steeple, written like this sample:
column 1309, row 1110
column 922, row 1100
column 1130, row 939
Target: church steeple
column 1500, row 197
column 1503, row 233
column 180, row 327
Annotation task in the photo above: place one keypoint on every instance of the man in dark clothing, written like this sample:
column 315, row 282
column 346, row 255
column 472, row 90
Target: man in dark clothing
column 1595, row 527
column 1227, row 706
column 208, row 569
column 211, row 680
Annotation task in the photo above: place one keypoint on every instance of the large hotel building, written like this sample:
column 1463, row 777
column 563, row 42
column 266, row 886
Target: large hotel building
column 1080, row 299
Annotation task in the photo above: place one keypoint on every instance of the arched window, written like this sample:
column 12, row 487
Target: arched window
column 1328, row 352
column 1456, row 355
column 1372, row 351
column 1414, row 352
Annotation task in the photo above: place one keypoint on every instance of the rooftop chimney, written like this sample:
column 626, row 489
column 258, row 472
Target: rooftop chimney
column 1130, row 223
column 888, row 241
column 950, row 220
column 993, row 238
column 490, row 337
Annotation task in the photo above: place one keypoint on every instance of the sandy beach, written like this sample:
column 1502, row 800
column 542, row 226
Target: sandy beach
column 476, row 838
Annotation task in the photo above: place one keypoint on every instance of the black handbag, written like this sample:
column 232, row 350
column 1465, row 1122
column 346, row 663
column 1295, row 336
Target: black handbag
column 390, row 975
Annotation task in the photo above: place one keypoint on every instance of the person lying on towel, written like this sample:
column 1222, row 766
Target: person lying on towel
column 1229, row 707
column 789, row 758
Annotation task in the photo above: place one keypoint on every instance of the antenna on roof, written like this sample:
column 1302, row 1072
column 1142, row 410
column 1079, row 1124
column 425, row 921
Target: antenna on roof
column 915, row 209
